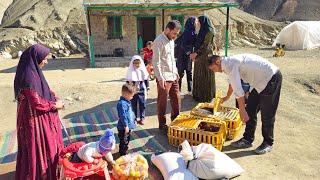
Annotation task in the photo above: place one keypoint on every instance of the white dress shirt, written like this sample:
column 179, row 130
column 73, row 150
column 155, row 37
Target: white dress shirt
column 163, row 59
column 251, row 68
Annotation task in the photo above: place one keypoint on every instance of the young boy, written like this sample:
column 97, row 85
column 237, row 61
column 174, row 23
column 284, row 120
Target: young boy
column 126, row 117
column 90, row 152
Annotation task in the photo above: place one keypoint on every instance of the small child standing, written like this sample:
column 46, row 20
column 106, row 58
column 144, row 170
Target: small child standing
column 126, row 117
column 91, row 151
column 138, row 76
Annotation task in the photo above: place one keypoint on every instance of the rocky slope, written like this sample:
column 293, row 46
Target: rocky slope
column 283, row 10
column 60, row 25
column 4, row 4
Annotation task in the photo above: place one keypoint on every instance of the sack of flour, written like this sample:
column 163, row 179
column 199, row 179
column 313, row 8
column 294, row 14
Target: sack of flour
column 209, row 163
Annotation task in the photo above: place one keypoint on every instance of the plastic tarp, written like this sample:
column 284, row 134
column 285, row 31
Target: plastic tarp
column 300, row 35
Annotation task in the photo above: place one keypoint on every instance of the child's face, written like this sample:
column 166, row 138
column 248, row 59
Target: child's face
column 149, row 46
column 136, row 63
column 127, row 95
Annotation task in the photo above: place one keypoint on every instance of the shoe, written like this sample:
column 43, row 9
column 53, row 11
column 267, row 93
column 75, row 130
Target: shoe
column 141, row 122
column 242, row 143
column 263, row 148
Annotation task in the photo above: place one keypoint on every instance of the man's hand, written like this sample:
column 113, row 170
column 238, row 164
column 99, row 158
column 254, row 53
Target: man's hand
column 161, row 83
column 126, row 130
column 224, row 99
column 244, row 115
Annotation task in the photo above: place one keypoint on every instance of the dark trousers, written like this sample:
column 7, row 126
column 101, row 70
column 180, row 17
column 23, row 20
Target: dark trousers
column 171, row 89
column 189, row 78
column 139, row 100
column 267, row 102
column 124, row 141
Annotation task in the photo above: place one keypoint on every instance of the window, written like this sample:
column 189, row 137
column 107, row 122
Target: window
column 180, row 18
column 115, row 27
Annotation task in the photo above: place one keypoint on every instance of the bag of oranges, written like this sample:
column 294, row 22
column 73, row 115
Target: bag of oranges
column 131, row 167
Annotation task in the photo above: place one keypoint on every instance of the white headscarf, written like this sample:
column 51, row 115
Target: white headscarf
column 139, row 74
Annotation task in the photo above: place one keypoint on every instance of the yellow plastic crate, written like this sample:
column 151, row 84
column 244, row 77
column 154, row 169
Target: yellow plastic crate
column 185, row 127
column 228, row 114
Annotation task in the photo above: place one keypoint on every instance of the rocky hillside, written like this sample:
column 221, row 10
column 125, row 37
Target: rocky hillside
column 245, row 29
column 4, row 4
column 283, row 10
column 60, row 25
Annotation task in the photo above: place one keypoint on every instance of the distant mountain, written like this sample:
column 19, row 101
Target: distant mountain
column 283, row 10
column 60, row 24
column 40, row 14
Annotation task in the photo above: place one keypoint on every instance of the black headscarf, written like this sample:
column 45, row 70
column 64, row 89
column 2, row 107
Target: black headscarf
column 29, row 74
column 206, row 26
column 185, row 42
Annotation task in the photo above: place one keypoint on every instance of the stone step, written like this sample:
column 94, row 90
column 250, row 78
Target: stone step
column 102, row 62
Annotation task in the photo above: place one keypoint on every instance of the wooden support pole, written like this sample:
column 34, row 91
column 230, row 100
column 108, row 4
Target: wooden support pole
column 226, row 44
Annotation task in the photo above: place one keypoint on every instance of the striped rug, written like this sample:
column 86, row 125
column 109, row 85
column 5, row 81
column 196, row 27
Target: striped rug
column 8, row 147
column 89, row 127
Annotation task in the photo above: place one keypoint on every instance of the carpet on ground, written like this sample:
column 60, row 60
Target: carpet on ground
column 89, row 127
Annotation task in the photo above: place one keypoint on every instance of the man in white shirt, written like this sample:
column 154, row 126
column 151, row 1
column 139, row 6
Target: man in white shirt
column 265, row 81
column 166, row 72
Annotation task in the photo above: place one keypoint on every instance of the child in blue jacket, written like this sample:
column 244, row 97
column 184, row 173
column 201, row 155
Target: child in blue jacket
column 126, row 117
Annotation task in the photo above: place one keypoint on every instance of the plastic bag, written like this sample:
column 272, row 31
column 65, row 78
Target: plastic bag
column 131, row 166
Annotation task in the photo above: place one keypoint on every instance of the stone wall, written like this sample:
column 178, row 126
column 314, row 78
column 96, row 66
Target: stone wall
column 103, row 45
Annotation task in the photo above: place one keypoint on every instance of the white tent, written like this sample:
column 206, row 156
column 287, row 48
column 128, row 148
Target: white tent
column 300, row 35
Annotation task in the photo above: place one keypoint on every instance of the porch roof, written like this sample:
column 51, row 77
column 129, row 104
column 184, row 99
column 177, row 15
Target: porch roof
column 156, row 4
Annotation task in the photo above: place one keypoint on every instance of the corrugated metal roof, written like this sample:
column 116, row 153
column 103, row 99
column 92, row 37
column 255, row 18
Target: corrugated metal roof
column 158, row 4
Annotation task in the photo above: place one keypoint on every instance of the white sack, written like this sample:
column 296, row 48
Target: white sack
column 172, row 166
column 209, row 163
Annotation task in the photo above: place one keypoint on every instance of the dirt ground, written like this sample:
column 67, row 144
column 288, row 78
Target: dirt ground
column 296, row 152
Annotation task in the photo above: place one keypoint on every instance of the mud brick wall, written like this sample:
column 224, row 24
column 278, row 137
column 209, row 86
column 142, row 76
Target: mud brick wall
column 99, row 29
column 103, row 45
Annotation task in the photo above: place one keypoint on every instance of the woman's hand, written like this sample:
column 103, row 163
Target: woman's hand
column 59, row 105
column 193, row 56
